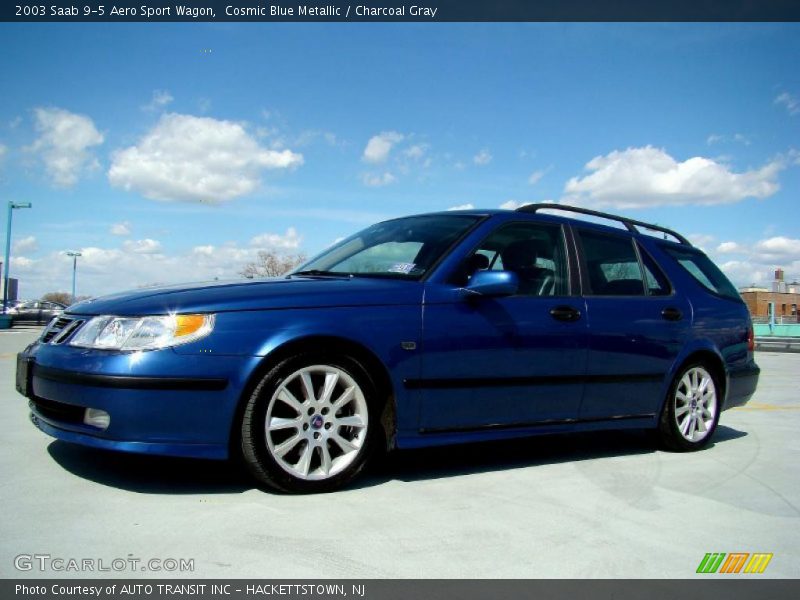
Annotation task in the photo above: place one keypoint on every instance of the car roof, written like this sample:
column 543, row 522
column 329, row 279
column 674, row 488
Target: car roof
column 578, row 219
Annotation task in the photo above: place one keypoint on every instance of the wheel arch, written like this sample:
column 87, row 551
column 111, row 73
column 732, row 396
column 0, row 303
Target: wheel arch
column 374, row 367
column 711, row 359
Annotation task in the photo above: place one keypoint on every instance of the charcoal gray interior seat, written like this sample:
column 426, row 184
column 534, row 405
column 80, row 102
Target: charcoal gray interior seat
column 521, row 257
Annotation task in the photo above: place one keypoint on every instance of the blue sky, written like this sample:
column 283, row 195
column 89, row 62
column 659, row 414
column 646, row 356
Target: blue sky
column 175, row 152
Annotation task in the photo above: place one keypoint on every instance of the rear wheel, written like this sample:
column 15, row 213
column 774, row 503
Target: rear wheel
column 691, row 410
column 307, row 427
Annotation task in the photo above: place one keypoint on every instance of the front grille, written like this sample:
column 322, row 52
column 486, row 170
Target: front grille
column 58, row 411
column 60, row 329
column 54, row 327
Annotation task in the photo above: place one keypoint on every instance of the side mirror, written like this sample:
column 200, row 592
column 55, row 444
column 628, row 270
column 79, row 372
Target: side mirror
column 492, row 283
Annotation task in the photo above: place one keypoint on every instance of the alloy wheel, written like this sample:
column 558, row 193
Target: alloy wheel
column 316, row 422
column 695, row 404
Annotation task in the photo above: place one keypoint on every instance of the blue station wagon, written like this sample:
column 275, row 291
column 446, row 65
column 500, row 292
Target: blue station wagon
column 426, row 330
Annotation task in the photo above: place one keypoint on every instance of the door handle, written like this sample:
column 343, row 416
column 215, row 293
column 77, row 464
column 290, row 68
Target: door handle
column 565, row 313
column 672, row 314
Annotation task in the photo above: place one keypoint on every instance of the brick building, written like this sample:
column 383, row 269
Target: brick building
column 785, row 297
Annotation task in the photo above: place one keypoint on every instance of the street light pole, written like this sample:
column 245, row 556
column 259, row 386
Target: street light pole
column 11, row 207
column 74, row 256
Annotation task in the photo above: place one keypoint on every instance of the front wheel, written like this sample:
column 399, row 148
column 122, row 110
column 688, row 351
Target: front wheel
column 307, row 427
column 691, row 410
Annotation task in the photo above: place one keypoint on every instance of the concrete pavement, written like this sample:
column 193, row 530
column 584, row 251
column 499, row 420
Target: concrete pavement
column 593, row 505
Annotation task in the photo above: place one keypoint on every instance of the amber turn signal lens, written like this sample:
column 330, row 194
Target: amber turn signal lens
column 188, row 324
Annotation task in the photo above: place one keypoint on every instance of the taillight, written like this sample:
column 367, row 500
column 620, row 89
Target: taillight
column 751, row 340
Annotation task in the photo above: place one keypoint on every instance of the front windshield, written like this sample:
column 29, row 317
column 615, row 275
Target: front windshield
column 405, row 248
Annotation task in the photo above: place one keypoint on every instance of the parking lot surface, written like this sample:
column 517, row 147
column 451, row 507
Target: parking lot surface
column 576, row 506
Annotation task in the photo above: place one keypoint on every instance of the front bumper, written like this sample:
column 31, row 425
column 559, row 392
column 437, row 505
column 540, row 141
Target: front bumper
column 188, row 413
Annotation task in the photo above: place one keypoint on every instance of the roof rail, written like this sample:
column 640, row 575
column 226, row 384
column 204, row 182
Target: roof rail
column 630, row 224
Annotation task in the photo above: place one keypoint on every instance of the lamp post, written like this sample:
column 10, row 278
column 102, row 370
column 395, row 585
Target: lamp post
column 11, row 207
column 74, row 256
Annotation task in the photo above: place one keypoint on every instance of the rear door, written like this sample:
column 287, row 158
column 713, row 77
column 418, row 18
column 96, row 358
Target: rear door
column 637, row 326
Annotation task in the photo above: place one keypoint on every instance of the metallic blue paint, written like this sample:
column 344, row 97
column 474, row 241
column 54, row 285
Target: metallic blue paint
column 529, row 373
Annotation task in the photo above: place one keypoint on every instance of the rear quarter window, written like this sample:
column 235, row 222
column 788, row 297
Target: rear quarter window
column 704, row 271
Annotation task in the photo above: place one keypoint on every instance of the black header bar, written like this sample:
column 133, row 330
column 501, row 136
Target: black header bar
column 425, row 11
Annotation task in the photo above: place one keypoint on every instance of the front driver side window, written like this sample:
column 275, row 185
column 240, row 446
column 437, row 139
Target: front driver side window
column 534, row 251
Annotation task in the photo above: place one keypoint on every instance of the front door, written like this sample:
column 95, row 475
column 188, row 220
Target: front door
column 503, row 362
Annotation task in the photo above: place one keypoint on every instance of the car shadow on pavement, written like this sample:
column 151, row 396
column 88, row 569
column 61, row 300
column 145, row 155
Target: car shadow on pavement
column 167, row 475
column 470, row 459
column 151, row 474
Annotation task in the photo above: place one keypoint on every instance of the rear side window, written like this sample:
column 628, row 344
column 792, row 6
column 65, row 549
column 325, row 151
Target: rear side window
column 699, row 266
column 612, row 265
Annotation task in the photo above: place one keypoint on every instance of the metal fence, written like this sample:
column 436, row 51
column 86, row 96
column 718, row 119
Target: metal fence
column 779, row 320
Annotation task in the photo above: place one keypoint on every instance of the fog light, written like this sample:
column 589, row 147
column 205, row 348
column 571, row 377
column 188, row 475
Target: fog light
column 97, row 418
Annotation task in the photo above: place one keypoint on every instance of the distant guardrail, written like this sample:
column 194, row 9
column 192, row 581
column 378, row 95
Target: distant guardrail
column 777, row 344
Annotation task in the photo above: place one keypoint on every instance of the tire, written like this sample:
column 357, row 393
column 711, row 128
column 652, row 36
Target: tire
column 691, row 410
column 311, row 424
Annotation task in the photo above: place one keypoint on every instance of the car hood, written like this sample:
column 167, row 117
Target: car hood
column 264, row 294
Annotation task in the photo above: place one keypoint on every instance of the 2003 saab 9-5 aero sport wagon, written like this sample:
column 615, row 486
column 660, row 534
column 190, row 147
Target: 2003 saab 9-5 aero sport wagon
column 427, row 330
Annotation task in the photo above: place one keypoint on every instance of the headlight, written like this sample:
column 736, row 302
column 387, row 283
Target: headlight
column 142, row 333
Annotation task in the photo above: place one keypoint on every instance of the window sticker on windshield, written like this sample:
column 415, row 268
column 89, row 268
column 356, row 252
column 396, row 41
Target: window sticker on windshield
column 404, row 268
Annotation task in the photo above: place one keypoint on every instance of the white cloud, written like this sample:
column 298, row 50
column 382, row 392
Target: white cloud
column 468, row 206
column 753, row 270
column 756, row 262
column 729, row 248
column 536, row 176
column 3, row 152
column 648, row 176
column 378, row 179
column 416, row 152
column 159, row 100
column 64, row 144
column 25, row 245
column 288, row 241
column 482, row 158
column 103, row 270
column 310, row 136
column 379, row 146
column 715, row 138
column 21, row 262
column 123, row 228
column 205, row 250
column 196, row 159
column 789, row 101
column 779, row 248
column 700, row 239
column 513, row 204
column 145, row 246
column 742, row 272
column 414, row 157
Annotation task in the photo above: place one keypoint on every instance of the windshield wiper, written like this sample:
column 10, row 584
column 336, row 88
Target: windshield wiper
column 320, row 273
